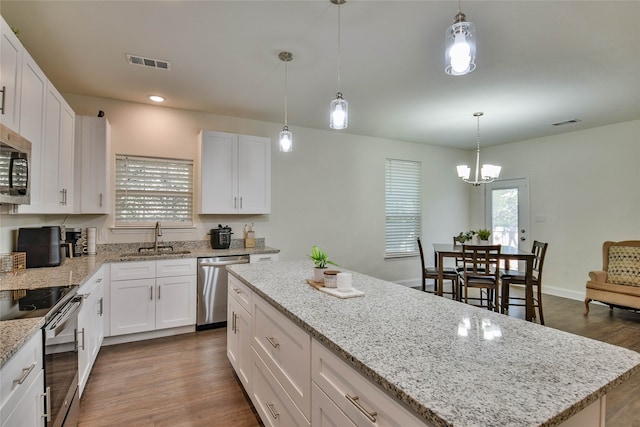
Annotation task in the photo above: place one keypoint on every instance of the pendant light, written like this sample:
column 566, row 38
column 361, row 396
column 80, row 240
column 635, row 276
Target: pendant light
column 339, row 108
column 286, row 138
column 488, row 173
column 460, row 54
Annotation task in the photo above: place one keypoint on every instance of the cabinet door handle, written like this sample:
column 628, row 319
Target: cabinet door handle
column 62, row 197
column 159, row 286
column 47, row 398
column 235, row 202
column 273, row 342
column 101, row 305
column 240, row 202
column 100, row 200
column 271, row 407
column 235, row 323
column 356, row 403
column 82, row 332
column 4, row 95
column 25, row 374
column 151, row 293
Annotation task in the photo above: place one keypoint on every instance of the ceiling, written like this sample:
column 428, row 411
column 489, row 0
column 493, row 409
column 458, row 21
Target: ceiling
column 538, row 62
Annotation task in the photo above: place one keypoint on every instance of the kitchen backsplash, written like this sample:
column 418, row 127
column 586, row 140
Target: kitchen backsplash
column 186, row 244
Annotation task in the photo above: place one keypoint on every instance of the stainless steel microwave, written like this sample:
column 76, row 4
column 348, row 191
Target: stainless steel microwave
column 15, row 160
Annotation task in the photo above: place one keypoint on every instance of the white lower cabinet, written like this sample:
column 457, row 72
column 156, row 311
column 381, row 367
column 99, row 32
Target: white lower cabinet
column 286, row 350
column 239, row 335
column 22, row 387
column 325, row 413
column 297, row 381
column 151, row 295
column 271, row 400
column 360, row 400
column 90, row 325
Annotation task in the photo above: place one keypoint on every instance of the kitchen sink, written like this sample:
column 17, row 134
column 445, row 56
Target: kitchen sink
column 151, row 253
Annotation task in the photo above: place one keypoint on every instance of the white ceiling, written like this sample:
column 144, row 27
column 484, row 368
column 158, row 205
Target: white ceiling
column 539, row 62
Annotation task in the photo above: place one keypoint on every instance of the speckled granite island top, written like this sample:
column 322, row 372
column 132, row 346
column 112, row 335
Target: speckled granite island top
column 410, row 343
column 15, row 333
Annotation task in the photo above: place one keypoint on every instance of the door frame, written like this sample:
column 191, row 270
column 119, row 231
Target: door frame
column 524, row 206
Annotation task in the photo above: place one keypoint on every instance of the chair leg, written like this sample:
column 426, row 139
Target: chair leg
column 504, row 305
column 540, row 305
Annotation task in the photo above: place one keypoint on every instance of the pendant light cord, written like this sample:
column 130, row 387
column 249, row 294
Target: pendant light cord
column 339, row 50
column 285, row 92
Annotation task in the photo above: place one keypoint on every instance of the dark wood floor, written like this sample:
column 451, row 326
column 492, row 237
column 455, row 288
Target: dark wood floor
column 188, row 381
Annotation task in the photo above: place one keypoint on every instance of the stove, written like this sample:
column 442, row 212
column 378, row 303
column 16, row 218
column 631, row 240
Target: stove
column 26, row 303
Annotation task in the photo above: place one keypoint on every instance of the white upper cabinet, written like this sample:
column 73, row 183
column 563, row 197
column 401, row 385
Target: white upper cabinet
column 92, row 165
column 235, row 173
column 11, row 52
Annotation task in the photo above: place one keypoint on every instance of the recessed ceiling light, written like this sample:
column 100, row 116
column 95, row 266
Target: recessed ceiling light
column 156, row 98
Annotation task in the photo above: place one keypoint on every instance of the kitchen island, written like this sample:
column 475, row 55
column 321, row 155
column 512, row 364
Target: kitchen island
column 447, row 363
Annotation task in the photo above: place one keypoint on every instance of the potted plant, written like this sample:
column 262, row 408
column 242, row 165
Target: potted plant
column 464, row 236
column 319, row 257
column 483, row 235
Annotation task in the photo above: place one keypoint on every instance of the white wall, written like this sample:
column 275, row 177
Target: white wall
column 584, row 190
column 329, row 191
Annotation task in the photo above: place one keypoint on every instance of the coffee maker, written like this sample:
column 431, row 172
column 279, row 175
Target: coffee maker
column 73, row 242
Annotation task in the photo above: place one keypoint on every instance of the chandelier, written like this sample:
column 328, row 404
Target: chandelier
column 488, row 173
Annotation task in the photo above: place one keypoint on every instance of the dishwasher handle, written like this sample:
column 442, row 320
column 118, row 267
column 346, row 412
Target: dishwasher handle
column 223, row 263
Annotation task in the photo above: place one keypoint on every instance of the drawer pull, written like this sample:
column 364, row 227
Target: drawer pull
column 235, row 323
column 237, row 290
column 47, row 398
column 273, row 342
column 25, row 374
column 354, row 400
column 272, row 409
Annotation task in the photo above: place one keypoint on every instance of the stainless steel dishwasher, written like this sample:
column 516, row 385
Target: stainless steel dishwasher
column 212, row 290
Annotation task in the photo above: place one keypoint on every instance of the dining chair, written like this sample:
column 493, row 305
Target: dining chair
column 481, row 270
column 515, row 277
column 431, row 273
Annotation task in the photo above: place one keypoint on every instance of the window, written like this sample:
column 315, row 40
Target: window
column 150, row 189
column 403, row 207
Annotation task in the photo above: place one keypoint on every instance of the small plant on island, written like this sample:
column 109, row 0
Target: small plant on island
column 319, row 257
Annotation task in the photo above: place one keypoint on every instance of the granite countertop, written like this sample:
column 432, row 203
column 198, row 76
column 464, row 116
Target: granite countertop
column 74, row 271
column 411, row 344
column 15, row 334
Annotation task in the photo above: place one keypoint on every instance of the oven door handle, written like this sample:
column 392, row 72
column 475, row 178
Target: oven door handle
column 55, row 329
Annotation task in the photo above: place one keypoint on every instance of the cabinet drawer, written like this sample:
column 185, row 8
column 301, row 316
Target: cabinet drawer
column 176, row 267
column 325, row 413
column 286, row 350
column 361, row 400
column 240, row 292
column 25, row 365
column 263, row 258
column 90, row 284
column 270, row 399
column 133, row 270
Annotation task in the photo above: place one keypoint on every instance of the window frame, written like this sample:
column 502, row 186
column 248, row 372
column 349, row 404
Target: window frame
column 397, row 171
column 165, row 220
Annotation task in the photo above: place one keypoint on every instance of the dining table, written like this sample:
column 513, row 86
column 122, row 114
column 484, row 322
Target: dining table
column 508, row 253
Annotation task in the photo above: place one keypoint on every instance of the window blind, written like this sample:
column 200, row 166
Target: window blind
column 152, row 189
column 403, row 207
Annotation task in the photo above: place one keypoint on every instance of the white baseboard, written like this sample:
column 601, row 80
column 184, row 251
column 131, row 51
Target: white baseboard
column 119, row 339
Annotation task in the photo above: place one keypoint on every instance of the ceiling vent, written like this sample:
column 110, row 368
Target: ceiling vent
column 160, row 64
column 566, row 122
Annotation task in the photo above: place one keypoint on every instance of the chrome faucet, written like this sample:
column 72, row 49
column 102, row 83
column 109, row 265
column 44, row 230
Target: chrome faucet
column 158, row 233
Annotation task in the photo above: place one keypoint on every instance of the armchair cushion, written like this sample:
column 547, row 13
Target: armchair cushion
column 624, row 265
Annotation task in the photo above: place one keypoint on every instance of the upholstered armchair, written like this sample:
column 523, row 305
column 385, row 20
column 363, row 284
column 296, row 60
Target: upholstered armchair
column 618, row 283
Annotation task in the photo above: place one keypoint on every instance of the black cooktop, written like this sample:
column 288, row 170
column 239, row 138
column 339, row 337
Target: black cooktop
column 35, row 302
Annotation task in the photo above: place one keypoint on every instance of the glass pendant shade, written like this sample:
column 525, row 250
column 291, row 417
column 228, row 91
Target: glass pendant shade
column 460, row 54
column 339, row 113
column 286, row 140
column 464, row 171
column 490, row 172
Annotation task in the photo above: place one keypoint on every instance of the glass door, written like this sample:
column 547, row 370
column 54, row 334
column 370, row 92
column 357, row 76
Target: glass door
column 507, row 212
